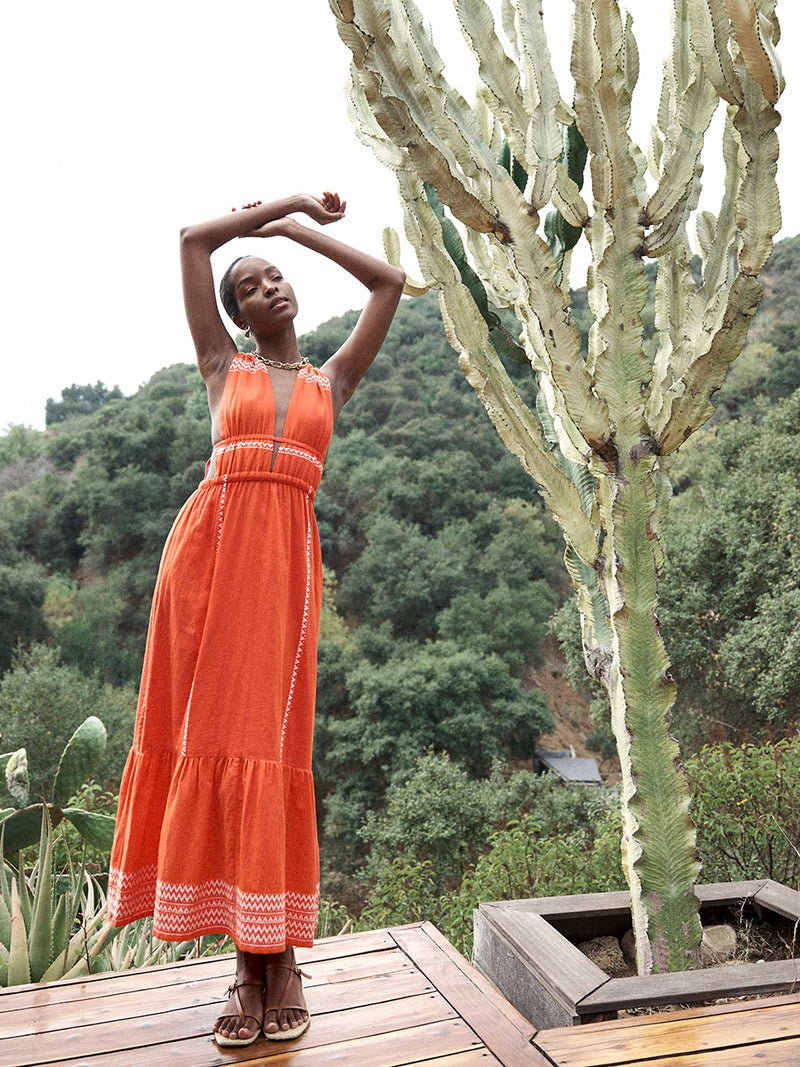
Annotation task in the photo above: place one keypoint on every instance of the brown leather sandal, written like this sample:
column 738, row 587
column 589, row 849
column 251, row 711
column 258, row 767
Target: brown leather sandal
column 295, row 1031
column 230, row 1042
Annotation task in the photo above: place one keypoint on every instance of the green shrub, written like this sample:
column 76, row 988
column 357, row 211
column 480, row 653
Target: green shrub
column 747, row 810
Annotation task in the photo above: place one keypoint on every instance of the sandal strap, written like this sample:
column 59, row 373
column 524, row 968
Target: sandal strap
column 283, row 1006
column 233, row 991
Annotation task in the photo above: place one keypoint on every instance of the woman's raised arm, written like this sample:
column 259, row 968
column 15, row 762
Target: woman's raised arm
column 213, row 344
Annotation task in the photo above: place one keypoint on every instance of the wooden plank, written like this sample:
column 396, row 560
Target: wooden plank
column 499, row 1026
column 218, row 969
column 329, row 948
column 509, row 949
column 323, row 997
column 477, row 1057
column 418, row 1044
column 587, row 915
column 587, row 1029
column 414, row 1044
column 779, row 898
column 764, row 1054
column 664, row 1036
column 652, row 990
column 170, row 1027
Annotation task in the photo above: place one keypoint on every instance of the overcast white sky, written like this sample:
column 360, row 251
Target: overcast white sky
column 123, row 122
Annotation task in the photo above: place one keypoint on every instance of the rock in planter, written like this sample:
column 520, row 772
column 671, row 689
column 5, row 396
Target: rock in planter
column 718, row 945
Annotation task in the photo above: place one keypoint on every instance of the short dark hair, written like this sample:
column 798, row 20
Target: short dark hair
column 226, row 290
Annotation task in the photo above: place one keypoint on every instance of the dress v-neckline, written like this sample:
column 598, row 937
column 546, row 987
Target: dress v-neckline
column 276, row 438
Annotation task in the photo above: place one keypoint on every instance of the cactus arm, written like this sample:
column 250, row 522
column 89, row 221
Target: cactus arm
column 514, row 421
column 757, row 34
column 567, row 198
column 706, row 372
column 542, row 99
column 711, row 33
column 617, row 282
column 759, row 213
column 391, row 249
column 417, row 109
column 499, row 73
column 676, row 194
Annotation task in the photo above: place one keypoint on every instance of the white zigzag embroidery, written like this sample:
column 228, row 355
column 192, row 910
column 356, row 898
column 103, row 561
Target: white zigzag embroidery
column 308, row 372
column 221, row 509
column 131, row 894
column 181, row 911
column 249, row 366
column 267, row 446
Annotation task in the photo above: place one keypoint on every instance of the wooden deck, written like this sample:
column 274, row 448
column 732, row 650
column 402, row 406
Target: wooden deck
column 381, row 999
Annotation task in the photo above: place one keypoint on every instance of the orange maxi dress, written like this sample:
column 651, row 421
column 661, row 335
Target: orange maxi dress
column 216, row 831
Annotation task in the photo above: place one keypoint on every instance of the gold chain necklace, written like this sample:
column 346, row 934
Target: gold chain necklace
column 281, row 366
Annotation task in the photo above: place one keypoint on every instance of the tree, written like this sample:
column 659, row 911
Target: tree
column 730, row 593
column 606, row 423
column 42, row 702
column 437, row 696
column 79, row 400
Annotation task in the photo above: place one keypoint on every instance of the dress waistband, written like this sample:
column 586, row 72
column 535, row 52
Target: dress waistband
column 258, row 476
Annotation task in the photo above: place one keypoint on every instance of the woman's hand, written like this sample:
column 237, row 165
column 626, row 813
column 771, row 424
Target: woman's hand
column 327, row 208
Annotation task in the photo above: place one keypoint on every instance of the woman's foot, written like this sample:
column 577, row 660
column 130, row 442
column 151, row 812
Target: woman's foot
column 285, row 1011
column 241, row 1020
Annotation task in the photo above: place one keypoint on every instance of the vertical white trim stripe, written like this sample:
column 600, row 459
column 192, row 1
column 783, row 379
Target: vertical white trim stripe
column 303, row 626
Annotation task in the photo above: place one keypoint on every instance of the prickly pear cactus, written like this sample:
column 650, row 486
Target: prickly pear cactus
column 494, row 202
column 80, row 759
column 20, row 826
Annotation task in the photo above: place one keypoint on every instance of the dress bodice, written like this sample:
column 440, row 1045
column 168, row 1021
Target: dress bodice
column 247, row 422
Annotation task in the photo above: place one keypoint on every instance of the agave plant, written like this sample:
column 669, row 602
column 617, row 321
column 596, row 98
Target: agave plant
column 506, row 173
column 52, row 923
column 79, row 760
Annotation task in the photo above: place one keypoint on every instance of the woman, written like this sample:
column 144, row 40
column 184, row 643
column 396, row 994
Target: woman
column 216, row 829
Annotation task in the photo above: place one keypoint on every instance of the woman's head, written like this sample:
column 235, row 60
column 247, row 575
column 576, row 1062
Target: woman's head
column 255, row 293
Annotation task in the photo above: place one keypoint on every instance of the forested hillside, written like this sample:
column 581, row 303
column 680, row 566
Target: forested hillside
column 443, row 572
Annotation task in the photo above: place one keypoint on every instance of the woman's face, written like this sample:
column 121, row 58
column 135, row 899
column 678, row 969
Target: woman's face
column 266, row 300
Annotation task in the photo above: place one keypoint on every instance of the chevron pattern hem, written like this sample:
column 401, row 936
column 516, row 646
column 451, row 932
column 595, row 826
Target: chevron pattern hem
column 131, row 895
column 257, row 922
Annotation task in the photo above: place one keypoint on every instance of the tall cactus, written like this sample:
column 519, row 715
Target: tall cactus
column 599, row 442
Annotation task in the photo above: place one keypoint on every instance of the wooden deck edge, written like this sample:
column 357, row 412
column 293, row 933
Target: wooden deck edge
column 754, row 979
column 502, row 1029
column 674, row 1016
column 610, row 903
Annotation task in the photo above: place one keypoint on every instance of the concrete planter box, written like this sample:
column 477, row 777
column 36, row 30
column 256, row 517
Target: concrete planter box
column 527, row 949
